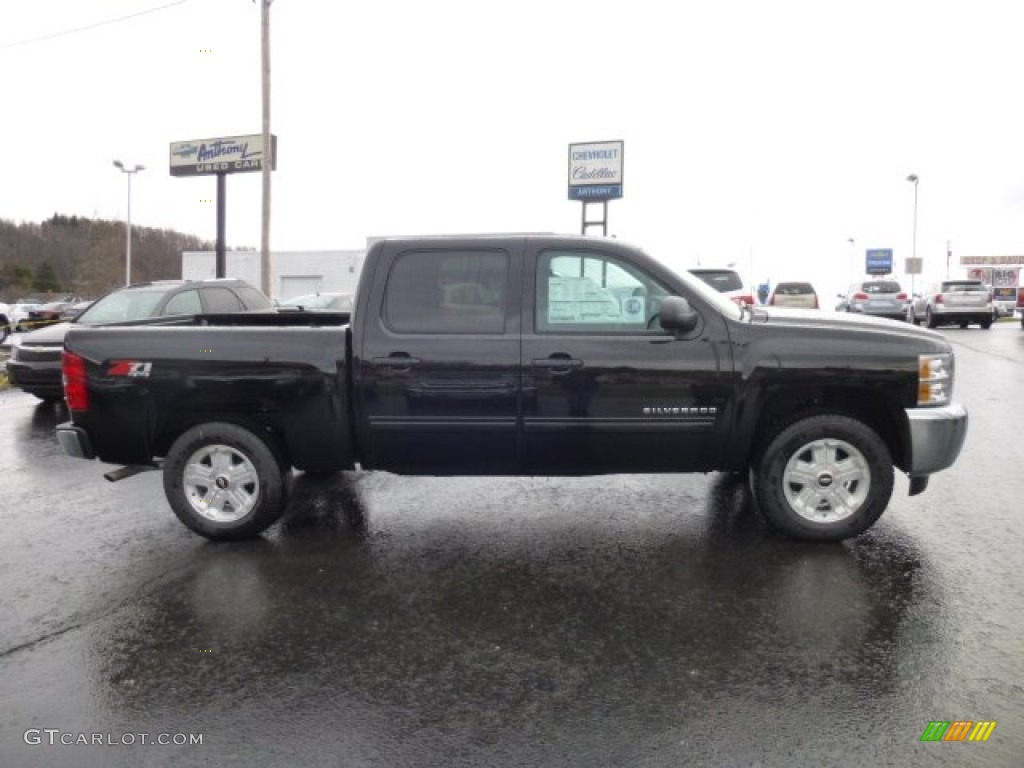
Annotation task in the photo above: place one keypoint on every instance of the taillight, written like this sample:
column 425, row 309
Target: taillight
column 860, row 296
column 75, row 390
column 938, row 298
column 901, row 297
column 772, row 300
column 816, row 301
column 1020, row 297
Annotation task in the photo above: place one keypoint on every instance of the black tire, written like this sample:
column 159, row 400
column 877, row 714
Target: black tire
column 929, row 320
column 986, row 324
column 245, row 478
column 821, row 449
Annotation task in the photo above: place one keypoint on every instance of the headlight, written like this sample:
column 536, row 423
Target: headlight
column 935, row 379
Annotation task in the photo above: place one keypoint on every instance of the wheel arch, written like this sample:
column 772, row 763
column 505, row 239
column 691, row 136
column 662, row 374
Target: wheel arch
column 786, row 407
column 165, row 437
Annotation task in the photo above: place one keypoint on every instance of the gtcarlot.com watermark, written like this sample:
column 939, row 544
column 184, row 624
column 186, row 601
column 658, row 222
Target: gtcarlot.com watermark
column 55, row 736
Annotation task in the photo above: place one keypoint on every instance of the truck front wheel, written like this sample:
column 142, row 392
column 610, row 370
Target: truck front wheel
column 224, row 482
column 824, row 477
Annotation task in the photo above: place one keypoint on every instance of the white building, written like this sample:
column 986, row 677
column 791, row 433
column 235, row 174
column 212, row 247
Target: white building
column 292, row 273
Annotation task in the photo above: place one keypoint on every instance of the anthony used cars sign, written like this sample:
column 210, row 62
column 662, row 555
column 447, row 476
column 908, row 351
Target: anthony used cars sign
column 230, row 154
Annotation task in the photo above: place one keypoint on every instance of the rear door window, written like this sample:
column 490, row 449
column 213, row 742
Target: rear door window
column 218, row 299
column 184, row 303
column 251, row 298
column 449, row 291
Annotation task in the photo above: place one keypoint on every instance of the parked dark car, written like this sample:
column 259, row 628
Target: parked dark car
column 35, row 356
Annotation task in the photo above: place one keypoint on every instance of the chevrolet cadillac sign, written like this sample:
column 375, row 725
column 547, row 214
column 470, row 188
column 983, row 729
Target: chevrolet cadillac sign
column 231, row 154
column 595, row 170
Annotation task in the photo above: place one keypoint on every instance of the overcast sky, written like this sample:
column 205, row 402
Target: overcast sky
column 764, row 134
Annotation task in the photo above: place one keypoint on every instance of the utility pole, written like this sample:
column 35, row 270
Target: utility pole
column 268, row 149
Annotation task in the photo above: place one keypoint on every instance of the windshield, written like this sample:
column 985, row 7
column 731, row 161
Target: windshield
column 123, row 306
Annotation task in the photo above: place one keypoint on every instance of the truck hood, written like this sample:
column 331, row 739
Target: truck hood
column 816, row 318
column 47, row 336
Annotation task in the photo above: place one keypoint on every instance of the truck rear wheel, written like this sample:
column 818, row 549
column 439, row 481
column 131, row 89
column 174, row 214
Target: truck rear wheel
column 824, row 477
column 224, row 482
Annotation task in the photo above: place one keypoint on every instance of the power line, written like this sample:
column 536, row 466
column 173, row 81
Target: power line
column 117, row 20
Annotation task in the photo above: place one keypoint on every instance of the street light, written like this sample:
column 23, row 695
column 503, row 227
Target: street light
column 913, row 179
column 128, row 220
column 853, row 258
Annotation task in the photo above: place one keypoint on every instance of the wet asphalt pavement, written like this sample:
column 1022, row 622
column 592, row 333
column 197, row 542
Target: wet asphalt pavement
column 618, row 621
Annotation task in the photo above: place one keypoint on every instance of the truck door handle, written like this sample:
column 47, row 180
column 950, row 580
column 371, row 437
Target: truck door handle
column 557, row 365
column 397, row 362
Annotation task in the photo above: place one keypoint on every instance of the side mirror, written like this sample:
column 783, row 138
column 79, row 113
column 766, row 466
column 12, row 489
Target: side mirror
column 677, row 315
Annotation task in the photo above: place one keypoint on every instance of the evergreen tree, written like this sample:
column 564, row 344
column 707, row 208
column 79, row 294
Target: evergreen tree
column 45, row 280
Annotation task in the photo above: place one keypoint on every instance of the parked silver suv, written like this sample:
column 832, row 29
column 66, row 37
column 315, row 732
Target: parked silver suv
column 953, row 302
column 878, row 298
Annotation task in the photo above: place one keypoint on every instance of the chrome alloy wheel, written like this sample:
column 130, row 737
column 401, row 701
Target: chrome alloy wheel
column 221, row 483
column 826, row 480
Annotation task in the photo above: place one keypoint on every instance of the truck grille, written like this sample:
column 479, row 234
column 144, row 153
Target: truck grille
column 39, row 354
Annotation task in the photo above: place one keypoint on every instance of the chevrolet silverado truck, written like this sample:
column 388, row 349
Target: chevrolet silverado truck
column 519, row 355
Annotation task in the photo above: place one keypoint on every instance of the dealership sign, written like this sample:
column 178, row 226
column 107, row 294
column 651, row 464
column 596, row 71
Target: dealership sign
column 231, row 154
column 879, row 261
column 993, row 261
column 595, row 170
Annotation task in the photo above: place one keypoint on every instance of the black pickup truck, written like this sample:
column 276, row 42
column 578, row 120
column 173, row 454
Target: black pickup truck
column 519, row 355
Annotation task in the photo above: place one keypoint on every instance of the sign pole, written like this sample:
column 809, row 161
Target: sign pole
column 221, row 207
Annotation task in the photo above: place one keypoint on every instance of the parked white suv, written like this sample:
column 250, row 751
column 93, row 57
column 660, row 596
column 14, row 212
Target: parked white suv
column 727, row 282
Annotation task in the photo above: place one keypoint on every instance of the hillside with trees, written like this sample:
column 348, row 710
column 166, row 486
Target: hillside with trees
column 85, row 257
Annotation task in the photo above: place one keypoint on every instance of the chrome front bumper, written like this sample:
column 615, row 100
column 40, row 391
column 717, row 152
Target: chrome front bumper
column 936, row 437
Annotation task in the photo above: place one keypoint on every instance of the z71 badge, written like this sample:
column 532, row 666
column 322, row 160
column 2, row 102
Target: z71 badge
column 131, row 368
